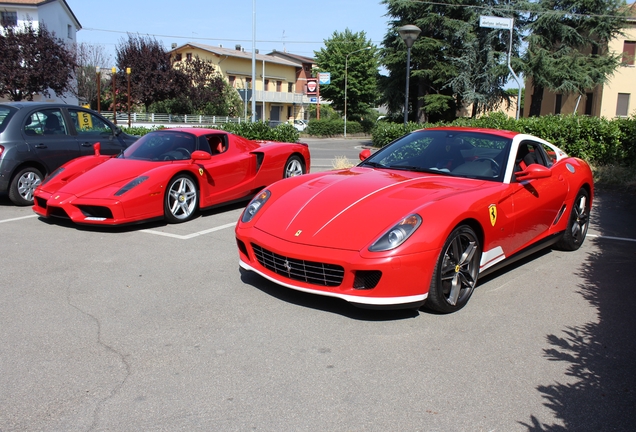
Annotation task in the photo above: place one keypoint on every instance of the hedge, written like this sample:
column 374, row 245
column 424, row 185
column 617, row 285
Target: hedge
column 256, row 131
column 597, row 140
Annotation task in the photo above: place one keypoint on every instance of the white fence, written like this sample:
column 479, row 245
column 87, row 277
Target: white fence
column 165, row 119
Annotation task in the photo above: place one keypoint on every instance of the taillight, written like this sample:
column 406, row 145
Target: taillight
column 1, row 150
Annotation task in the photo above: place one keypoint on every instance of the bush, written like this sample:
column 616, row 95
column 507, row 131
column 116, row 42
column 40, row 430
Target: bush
column 384, row 133
column 254, row 131
column 139, row 130
column 597, row 140
column 284, row 132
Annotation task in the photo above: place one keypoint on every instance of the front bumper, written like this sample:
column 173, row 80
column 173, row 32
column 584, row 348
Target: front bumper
column 85, row 211
column 398, row 281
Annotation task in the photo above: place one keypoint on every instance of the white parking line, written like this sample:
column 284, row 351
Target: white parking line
column 611, row 238
column 20, row 218
column 189, row 236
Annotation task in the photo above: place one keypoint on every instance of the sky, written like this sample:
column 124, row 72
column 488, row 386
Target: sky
column 298, row 27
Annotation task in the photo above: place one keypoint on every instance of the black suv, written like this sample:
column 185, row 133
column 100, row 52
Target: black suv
column 38, row 137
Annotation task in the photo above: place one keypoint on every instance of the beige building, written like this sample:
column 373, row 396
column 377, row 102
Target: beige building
column 617, row 98
column 279, row 89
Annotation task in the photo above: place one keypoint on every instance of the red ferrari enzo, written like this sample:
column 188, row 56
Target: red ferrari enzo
column 167, row 174
column 420, row 220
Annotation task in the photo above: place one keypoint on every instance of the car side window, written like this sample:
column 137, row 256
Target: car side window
column 45, row 122
column 531, row 152
column 217, row 143
column 87, row 123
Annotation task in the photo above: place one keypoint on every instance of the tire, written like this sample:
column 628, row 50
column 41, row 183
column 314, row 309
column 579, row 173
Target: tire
column 578, row 223
column 181, row 199
column 23, row 185
column 456, row 271
column 294, row 167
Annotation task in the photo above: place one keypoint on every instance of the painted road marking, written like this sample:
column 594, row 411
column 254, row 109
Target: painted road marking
column 611, row 238
column 189, row 236
column 19, row 218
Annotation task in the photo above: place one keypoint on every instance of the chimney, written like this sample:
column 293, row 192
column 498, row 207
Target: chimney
column 174, row 45
column 237, row 47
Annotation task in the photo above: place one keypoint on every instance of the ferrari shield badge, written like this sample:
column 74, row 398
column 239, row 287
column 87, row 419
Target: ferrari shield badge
column 201, row 171
column 298, row 233
column 492, row 211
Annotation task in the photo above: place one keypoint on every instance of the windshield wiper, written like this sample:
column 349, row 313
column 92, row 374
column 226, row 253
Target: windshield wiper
column 373, row 164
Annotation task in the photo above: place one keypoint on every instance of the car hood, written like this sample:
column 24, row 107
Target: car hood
column 111, row 172
column 349, row 209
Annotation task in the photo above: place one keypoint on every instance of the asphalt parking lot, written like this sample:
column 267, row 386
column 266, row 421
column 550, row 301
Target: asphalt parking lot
column 154, row 328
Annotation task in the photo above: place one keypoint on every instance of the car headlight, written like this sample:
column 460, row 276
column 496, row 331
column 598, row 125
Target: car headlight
column 131, row 184
column 255, row 205
column 397, row 235
column 53, row 174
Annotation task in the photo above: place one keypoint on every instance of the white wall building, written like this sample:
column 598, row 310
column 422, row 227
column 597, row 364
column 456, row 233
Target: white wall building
column 58, row 18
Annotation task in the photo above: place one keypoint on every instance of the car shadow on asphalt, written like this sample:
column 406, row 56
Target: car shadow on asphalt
column 342, row 307
column 323, row 303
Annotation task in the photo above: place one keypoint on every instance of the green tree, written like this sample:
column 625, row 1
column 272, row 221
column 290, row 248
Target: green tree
column 355, row 53
column 34, row 62
column 568, row 46
column 482, row 58
column 208, row 92
column 454, row 62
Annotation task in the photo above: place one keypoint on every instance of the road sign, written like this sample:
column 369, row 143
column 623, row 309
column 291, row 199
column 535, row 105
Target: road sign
column 495, row 22
column 312, row 86
column 324, row 78
column 313, row 100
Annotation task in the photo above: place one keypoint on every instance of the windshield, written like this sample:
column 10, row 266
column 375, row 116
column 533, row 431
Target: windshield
column 162, row 146
column 451, row 152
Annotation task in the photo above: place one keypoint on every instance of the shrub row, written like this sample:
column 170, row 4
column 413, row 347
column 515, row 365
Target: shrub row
column 597, row 140
column 255, row 131
column 284, row 132
column 332, row 127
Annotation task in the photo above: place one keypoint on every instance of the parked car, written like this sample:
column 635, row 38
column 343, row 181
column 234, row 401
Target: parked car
column 419, row 220
column 300, row 125
column 37, row 137
column 169, row 174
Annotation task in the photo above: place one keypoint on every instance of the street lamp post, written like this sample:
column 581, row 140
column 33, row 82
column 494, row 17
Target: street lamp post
column 345, row 95
column 99, row 88
column 408, row 33
column 113, row 73
column 128, row 75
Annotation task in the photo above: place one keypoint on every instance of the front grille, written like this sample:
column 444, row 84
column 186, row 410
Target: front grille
column 306, row 271
column 41, row 202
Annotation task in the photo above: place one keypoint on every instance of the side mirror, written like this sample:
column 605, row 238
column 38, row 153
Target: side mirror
column 97, row 147
column 200, row 155
column 533, row 171
column 364, row 154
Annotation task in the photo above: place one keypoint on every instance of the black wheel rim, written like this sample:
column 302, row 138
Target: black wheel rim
column 580, row 216
column 460, row 268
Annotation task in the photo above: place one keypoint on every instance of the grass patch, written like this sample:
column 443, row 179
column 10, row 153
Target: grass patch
column 615, row 176
column 341, row 162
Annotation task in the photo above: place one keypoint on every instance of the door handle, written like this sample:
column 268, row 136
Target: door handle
column 40, row 146
column 86, row 144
